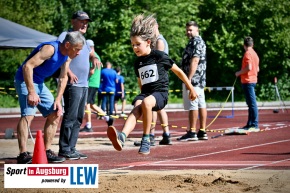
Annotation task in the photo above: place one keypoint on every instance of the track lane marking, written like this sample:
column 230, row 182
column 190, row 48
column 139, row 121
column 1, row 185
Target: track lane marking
column 131, row 165
column 260, row 165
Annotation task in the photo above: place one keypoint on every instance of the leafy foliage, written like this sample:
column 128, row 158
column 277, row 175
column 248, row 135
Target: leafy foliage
column 223, row 25
column 229, row 21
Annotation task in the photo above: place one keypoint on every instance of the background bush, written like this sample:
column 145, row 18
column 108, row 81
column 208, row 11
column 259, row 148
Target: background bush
column 223, row 25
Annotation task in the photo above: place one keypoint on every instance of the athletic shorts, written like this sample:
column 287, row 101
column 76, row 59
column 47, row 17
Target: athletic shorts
column 92, row 91
column 160, row 97
column 46, row 104
column 198, row 103
column 118, row 97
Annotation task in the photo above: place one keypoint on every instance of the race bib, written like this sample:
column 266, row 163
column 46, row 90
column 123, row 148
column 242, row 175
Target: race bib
column 148, row 74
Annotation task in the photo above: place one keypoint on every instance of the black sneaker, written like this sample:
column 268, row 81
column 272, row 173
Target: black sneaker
column 152, row 141
column 86, row 129
column 201, row 135
column 145, row 146
column 81, row 155
column 69, row 155
column 53, row 158
column 137, row 143
column 24, row 158
column 110, row 121
column 117, row 138
column 165, row 140
column 189, row 136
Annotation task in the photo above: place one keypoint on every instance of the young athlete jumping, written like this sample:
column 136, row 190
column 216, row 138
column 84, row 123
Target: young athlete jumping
column 151, row 69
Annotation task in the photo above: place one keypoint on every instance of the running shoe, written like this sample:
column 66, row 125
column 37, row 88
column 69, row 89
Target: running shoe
column 117, row 138
column 53, row 158
column 145, row 146
column 81, row 155
column 86, row 129
column 152, row 141
column 24, row 158
column 110, row 121
column 165, row 140
column 252, row 129
column 69, row 155
column 201, row 135
column 123, row 115
column 189, row 136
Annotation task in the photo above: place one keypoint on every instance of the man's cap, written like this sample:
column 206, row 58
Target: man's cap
column 90, row 43
column 81, row 15
column 192, row 23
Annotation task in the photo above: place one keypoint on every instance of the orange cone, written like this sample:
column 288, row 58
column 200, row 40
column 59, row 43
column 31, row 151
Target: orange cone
column 39, row 153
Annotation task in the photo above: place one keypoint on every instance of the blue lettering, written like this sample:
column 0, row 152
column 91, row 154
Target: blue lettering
column 79, row 175
column 72, row 176
column 90, row 175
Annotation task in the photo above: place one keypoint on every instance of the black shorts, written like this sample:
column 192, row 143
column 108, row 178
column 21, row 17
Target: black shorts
column 161, row 99
column 119, row 97
column 92, row 95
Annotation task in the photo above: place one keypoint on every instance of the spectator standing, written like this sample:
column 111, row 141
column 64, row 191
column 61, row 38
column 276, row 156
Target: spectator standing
column 43, row 61
column 194, row 66
column 120, row 93
column 249, row 78
column 75, row 94
column 94, row 84
column 100, row 95
column 108, row 88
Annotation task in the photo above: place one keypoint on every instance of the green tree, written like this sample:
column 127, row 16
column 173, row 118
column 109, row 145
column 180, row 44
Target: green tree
column 172, row 17
column 33, row 14
column 223, row 25
column 229, row 21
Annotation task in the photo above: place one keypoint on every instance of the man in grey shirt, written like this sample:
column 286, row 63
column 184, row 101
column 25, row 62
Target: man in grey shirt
column 75, row 94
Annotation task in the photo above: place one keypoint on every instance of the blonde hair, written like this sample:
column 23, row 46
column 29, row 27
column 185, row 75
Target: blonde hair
column 144, row 27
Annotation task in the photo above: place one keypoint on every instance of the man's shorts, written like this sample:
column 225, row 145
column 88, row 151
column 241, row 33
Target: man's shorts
column 161, row 99
column 198, row 103
column 92, row 91
column 118, row 97
column 45, row 106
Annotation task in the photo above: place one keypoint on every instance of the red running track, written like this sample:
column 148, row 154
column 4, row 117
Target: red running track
column 268, row 149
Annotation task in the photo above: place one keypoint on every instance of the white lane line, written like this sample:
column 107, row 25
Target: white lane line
column 279, row 124
column 202, row 155
column 274, row 128
column 17, row 116
column 260, row 165
column 190, row 165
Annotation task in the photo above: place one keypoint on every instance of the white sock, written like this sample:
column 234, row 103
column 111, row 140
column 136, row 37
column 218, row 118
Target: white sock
column 106, row 118
column 89, row 124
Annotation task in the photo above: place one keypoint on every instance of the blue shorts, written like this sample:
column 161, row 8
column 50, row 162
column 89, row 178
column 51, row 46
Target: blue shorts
column 45, row 106
column 161, row 99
